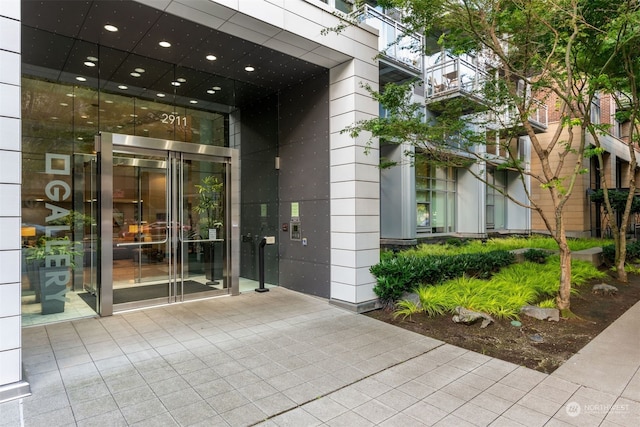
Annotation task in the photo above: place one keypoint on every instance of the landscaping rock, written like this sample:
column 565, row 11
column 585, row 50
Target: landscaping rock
column 541, row 313
column 537, row 338
column 604, row 289
column 462, row 315
column 411, row 296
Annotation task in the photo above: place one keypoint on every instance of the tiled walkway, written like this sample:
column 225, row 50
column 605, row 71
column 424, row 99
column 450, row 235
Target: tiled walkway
column 286, row 359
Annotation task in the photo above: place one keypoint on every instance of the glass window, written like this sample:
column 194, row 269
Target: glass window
column 435, row 198
column 496, row 203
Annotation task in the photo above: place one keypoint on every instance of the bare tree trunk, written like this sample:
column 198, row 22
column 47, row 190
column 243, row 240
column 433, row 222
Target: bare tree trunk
column 563, row 299
column 621, row 251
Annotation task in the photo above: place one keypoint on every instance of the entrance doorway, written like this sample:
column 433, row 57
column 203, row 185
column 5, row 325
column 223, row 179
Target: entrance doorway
column 165, row 222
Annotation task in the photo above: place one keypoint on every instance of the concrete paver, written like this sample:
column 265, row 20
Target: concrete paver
column 288, row 359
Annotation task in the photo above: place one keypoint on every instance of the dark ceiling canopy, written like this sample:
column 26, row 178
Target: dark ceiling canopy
column 59, row 35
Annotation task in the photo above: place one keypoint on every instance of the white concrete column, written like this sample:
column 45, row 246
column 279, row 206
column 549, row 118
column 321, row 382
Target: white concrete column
column 355, row 187
column 11, row 381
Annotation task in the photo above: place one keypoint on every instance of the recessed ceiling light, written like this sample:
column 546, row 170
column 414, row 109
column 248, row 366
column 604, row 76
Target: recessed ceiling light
column 81, row 79
column 193, row 101
column 123, row 87
column 181, row 79
column 111, row 28
column 216, row 88
column 64, row 104
column 70, row 95
column 84, row 116
column 211, row 91
column 160, row 95
column 119, row 126
column 134, row 74
column 249, row 68
column 92, row 59
column 175, row 83
column 164, row 44
column 139, row 70
column 211, row 57
column 80, row 138
column 108, row 101
column 89, row 123
column 89, row 64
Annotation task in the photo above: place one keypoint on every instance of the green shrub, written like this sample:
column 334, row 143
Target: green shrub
column 504, row 294
column 406, row 308
column 548, row 303
column 539, row 256
column 633, row 252
column 403, row 273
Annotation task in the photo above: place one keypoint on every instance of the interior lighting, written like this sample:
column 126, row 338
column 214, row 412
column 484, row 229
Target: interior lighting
column 139, row 70
column 135, row 74
column 216, row 88
column 211, row 91
column 123, row 87
column 160, row 95
column 164, row 44
column 92, row 59
column 211, row 57
column 81, row 79
column 111, row 28
column 181, row 79
column 108, row 101
column 249, row 68
column 175, row 83
column 64, row 104
column 193, row 101
column 89, row 64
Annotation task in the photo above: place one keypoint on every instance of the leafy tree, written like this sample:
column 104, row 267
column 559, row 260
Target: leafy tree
column 610, row 56
column 537, row 51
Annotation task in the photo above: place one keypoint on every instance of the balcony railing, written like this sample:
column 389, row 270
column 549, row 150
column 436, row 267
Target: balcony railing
column 509, row 117
column 451, row 76
column 393, row 40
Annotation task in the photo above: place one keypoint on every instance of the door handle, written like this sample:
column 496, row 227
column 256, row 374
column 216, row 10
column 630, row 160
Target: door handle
column 142, row 243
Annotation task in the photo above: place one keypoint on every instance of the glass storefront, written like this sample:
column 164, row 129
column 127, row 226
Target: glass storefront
column 60, row 202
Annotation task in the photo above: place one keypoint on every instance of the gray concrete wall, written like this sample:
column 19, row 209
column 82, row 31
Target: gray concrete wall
column 259, row 186
column 304, row 179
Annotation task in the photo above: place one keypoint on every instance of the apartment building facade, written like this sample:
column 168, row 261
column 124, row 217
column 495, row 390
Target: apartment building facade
column 152, row 151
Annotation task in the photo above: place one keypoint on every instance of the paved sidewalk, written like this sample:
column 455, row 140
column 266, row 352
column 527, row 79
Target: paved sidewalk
column 286, row 359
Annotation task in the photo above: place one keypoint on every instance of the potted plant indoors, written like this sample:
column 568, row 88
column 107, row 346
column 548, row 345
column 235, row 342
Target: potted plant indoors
column 49, row 266
column 210, row 211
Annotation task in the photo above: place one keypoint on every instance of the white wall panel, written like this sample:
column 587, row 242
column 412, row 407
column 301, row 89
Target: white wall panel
column 9, row 333
column 10, row 131
column 9, row 299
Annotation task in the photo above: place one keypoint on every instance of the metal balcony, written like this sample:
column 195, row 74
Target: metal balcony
column 451, row 77
column 509, row 118
column 396, row 46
